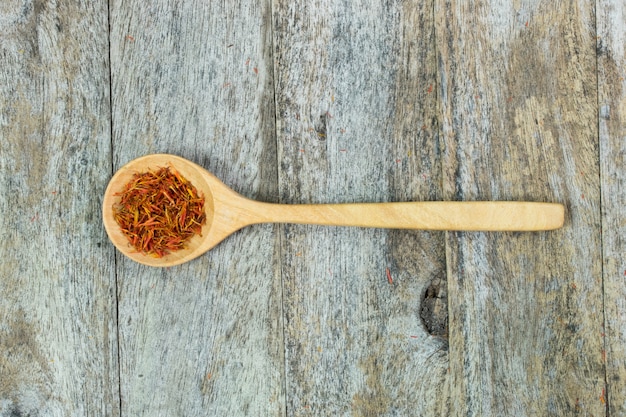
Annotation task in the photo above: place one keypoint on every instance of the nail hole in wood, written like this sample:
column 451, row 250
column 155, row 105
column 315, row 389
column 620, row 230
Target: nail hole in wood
column 320, row 126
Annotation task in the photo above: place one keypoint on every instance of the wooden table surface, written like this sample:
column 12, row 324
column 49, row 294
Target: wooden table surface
column 300, row 101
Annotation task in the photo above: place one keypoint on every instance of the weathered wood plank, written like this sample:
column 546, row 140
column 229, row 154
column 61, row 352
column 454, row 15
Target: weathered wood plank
column 611, row 18
column 194, row 78
column 356, row 121
column 519, row 122
column 58, row 345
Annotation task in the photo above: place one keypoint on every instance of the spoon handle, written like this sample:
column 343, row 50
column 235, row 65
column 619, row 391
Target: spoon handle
column 429, row 215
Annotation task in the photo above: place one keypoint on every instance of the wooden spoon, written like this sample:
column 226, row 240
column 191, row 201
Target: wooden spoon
column 228, row 212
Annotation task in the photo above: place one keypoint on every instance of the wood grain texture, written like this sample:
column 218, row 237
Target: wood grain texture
column 611, row 18
column 58, row 345
column 519, row 122
column 194, row 78
column 356, row 122
column 316, row 102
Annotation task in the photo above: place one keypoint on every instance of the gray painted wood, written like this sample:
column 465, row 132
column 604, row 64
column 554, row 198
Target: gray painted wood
column 519, row 122
column 611, row 18
column 58, row 346
column 356, row 121
column 315, row 102
column 205, row 338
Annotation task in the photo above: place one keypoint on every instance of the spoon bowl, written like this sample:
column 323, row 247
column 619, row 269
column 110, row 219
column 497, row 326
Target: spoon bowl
column 228, row 211
column 200, row 178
